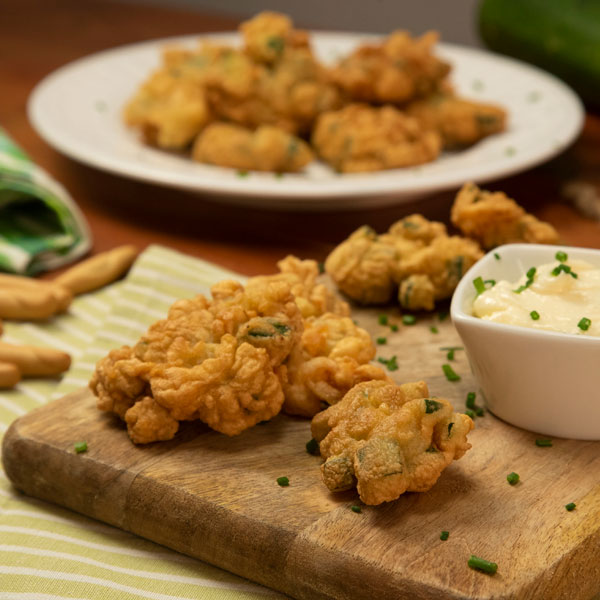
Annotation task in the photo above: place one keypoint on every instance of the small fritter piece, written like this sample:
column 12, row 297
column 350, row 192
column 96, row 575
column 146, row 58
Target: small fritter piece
column 361, row 138
column 218, row 361
column 416, row 255
column 397, row 70
column 313, row 299
column 333, row 355
column 388, row 439
column 266, row 149
column 493, row 219
column 460, row 122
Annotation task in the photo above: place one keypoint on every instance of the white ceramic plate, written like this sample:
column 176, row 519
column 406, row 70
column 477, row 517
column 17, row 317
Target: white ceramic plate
column 77, row 109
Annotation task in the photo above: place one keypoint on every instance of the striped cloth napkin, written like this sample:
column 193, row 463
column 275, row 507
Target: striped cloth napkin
column 50, row 553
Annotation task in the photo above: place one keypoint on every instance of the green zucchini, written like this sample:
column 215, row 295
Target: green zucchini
column 560, row 36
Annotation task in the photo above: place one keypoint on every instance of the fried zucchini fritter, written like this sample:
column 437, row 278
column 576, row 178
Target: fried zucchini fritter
column 493, row 219
column 361, row 138
column 387, row 439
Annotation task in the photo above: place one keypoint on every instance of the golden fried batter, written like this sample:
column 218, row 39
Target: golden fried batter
column 219, row 361
column 266, row 149
column 388, row 439
column 333, row 355
column 493, row 219
column 415, row 257
column 361, row 138
column 397, row 70
column 460, row 122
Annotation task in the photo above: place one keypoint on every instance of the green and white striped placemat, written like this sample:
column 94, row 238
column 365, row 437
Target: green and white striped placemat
column 49, row 553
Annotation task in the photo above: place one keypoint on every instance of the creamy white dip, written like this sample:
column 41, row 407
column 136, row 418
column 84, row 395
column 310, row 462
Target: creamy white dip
column 561, row 300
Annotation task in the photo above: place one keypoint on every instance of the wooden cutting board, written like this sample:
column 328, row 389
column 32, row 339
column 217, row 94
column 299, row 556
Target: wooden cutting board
column 217, row 499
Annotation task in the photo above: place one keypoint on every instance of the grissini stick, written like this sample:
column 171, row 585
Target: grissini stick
column 28, row 304
column 35, row 360
column 62, row 295
column 9, row 375
column 98, row 271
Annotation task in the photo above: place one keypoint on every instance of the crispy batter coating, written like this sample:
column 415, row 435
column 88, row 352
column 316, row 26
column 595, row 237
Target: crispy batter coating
column 313, row 299
column 266, row 149
column 362, row 138
column 415, row 257
column 460, row 122
column 333, row 355
column 493, row 219
column 219, row 361
column 397, row 70
column 388, row 439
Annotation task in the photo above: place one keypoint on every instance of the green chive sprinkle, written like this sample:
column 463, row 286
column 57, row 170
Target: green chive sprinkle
column 312, row 447
column 482, row 565
column 535, row 315
column 479, row 411
column 355, row 508
column 450, row 355
column 571, row 506
column 479, row 285
column 444, row 535
column 432, row 406
column 561, row 256
column 496, row 256
column 242, row 173
column 409, row 319
column 394, row 327
column 381, row 340
column 512, row 478
column 383, row 319
column 450, row 426
column 283, row 481
column 449, row 373
column 470, row 414
column 321, row 266
column 471, row 400
column 530, row 275
column 584, row 324
column 443, row 315
column 451, row 350
column 80, row 447
column 543, row 443
column 562, row 268
column 390, row 363
column 434, row 329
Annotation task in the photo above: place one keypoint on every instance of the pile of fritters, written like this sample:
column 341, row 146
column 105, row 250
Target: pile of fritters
column 386, row 105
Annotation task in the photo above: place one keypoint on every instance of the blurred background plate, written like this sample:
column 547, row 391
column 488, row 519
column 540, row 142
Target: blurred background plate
column 77, row 110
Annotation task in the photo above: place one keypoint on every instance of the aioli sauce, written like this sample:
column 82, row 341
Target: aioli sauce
column 561, row 300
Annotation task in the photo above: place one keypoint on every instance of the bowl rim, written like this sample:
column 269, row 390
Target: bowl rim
column 465, row 287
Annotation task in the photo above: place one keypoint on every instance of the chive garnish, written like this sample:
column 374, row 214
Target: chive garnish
column 312, row 447
column 512, row 478
column 444, row 535
column 381, row 340
column 394, row 327
column 449, row 373
column 383, row 319
column 432, row 406
column 584, row 324
column 482, row 565
column 242, row 173
column 561, row 256
column 434, row 329
column 409, row 319
column 321, row 266
column 479, row 285
column 496, row 256
column 451, row 350
column 543, row 443
column 450, row 354
column 355, row 508
column 535, row 315
column 443, row 315
column 470, row 403
column 479, row 411
column 470, row 414
column 80, row 447
column 283, row 481
column 390, row 363
column 450, row 426
column 530, row 275
column 562, row 268
column 571, row 506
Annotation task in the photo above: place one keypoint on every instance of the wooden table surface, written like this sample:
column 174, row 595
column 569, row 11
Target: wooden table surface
column 37, row 37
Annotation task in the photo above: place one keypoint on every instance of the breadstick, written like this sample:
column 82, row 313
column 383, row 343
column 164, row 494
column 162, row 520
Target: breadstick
column 9, row 375
column 98, row 271
column 25, row 303
column 62, row 295
column 34, row 360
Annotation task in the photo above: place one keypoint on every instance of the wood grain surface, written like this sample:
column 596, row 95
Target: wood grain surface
column 217, row 499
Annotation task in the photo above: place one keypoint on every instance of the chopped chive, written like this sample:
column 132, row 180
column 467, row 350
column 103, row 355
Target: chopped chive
column 479, row 411
column 492, row 282
column 355, row 508
column 531, row 273
column 451, row 350
column 535, row 315
column 450, row 426
column 409, row 319
column 312, row 447
column 449, row 373
column 470, row 414
column 279, row 175
column 571, row 506
column 584, row 324
column 561, row 256
column 512, row 478
column 242, row 173
column 80, row 447
column 510, row 151
column 479, row 285
column 450, row 354
column 432, row 406
column 381, row 340
column 434, row 329
column 383, row 319
column 283, row 481
column 390, row 363
column 444, row 535
column 562, row 268
column 321, row 266
column 543, row 443
column 482, row 565
column 470, row 403
column 394, row 327
column 443, row 315
column 496, row 256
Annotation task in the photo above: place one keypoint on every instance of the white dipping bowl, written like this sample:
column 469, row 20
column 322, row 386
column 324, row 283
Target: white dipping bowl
column 539, row 380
